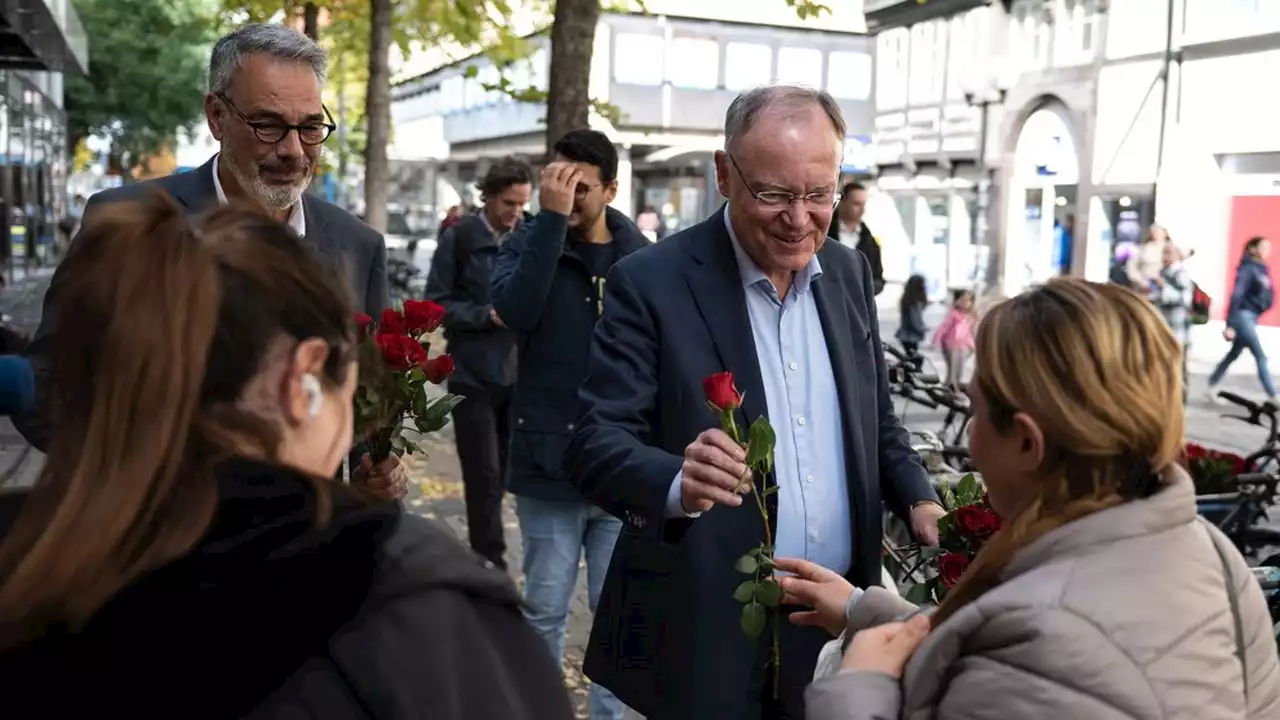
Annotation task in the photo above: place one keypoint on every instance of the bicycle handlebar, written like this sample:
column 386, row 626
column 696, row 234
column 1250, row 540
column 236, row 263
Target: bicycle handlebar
column 919, row 399
column 1244, row 402
column 895, row 352
column 947, row 400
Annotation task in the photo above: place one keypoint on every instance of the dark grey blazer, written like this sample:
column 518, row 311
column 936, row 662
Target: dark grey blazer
column 334, row 232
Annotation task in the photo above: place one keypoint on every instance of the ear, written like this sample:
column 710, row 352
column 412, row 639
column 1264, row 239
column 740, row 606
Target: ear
column 1028, row 443
column 722, row 172
column 213, row 115
column 307, row 359
column 610, row 192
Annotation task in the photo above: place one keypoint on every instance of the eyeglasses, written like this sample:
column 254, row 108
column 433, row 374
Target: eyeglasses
column 582, row 189
column 274, row 131
column 779, row 199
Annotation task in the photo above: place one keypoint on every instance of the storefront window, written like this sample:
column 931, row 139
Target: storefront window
column 747, row 65
column 892, row 62
column 694, row 63
column 928, row 62
column 800, row 66
column 638, row 59
column 849, row 75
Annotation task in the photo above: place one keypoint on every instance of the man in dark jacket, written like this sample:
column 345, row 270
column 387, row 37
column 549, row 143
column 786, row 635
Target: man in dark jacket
column 848, row 228
column 482, row 347
column 547, row 287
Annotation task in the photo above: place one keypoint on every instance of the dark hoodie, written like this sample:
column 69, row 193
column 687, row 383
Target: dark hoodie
column 377, row 615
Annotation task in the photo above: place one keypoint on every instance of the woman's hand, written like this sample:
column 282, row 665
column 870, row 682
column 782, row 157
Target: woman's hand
column 886, row 648
column 816, row 587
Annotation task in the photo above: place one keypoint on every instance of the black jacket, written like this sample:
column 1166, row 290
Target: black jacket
column 543, row 291
column 378, row 615
column 868, row 246
column 484, row 354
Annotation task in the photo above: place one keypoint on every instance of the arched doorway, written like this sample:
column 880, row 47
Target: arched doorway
column 1043, row 188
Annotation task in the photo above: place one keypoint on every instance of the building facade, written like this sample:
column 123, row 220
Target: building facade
column 40, row 41
column 671, row 78
column 1086, row 142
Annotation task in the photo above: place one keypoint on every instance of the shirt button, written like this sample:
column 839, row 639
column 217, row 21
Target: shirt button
column 792, row 366
column 800, row 420
column 586, row 299
column 809, row 479
column 813, row 534
column 569, row 426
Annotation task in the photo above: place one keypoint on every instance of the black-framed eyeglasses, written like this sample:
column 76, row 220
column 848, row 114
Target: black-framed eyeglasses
column 779, row 199
column 273, row 131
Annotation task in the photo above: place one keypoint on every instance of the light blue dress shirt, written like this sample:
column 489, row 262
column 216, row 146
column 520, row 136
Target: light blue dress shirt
column 804, row 408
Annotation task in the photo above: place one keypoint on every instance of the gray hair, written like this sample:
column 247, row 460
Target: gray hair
column 277, row 41
column 746, row 108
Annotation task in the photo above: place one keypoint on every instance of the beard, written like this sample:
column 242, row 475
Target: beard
column 273, row 197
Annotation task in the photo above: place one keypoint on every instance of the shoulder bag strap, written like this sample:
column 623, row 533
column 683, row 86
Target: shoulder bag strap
column 1235, row 609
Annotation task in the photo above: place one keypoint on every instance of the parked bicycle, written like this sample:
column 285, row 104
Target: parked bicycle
column 404, row 281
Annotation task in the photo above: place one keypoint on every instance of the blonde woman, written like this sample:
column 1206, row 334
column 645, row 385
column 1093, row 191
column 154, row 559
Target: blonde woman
column 1104, row 598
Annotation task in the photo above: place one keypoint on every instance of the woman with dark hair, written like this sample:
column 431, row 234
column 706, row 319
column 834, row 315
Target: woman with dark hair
column 1251, row 296
column 185, row 552
column 911, row 307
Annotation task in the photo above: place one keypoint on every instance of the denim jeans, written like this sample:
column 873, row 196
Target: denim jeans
column 556, row 533
column 1246, row 326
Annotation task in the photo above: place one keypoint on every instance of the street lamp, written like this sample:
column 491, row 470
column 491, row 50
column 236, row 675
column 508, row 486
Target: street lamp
column 983, row 92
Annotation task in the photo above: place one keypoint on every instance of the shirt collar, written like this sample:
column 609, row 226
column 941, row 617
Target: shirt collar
column 297, row 217
column 753, row 275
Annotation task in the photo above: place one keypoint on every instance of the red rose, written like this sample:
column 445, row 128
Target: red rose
column 438, row 368
column 1194, row 451
column 391, row 323
column 422, row 316
column 950, row 567
column 362, row 324
column 400, row 352
column 977, row 521
column 721, row 394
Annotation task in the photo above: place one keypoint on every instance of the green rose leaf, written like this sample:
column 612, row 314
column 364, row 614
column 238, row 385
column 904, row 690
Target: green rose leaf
column 753, row 619
column 769, row 593
column 968, row 490
column 745, row 591
column 747, row 565
column 760, row 443
column 947, row 495
column 919, row 594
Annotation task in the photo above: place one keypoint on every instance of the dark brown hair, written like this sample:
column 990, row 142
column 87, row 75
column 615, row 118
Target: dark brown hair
column 162, row 321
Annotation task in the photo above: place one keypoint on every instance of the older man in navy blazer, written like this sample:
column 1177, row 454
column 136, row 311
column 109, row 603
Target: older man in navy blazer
column 755, row 290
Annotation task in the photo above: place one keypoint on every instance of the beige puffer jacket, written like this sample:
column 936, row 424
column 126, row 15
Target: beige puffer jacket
column 1122, row 615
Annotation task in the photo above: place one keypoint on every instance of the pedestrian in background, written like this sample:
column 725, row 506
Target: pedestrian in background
column 1147, row 259
column 954, row 337
column 847, row 227
column 1172, row 291
column 483, row 349
column 1251, row 296
column 911, row 307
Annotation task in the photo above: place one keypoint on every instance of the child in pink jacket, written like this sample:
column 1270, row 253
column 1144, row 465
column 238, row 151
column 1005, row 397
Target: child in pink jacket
column 955, row 337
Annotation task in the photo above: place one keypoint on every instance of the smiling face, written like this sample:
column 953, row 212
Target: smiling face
column 266, row 94
column 789, row 150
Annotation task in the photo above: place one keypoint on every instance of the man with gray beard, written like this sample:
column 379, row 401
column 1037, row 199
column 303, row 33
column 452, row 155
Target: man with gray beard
column 264, row 108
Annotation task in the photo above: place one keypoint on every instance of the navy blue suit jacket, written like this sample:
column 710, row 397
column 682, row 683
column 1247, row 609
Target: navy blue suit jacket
column 666, row 638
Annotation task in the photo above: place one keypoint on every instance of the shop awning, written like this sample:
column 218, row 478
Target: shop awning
column 887, row 14
column 42, row 35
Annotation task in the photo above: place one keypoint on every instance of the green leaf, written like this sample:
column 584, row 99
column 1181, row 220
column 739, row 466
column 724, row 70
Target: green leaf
column 745, row 592
column 947, row 495
column 760, row 442
column 771, row 490
column 769, row 593
column 918, row 594
column 747, row 565
column 753, row 619
column 437, row 413
column 968, row 490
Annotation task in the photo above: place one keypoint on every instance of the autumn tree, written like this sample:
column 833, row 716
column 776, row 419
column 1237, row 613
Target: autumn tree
column 147, row 76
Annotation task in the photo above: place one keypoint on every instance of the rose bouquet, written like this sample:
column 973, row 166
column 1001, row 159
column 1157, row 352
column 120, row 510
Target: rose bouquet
column 761, row 594
column 395, row 368
column 1212, row 470
column 968, row 525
